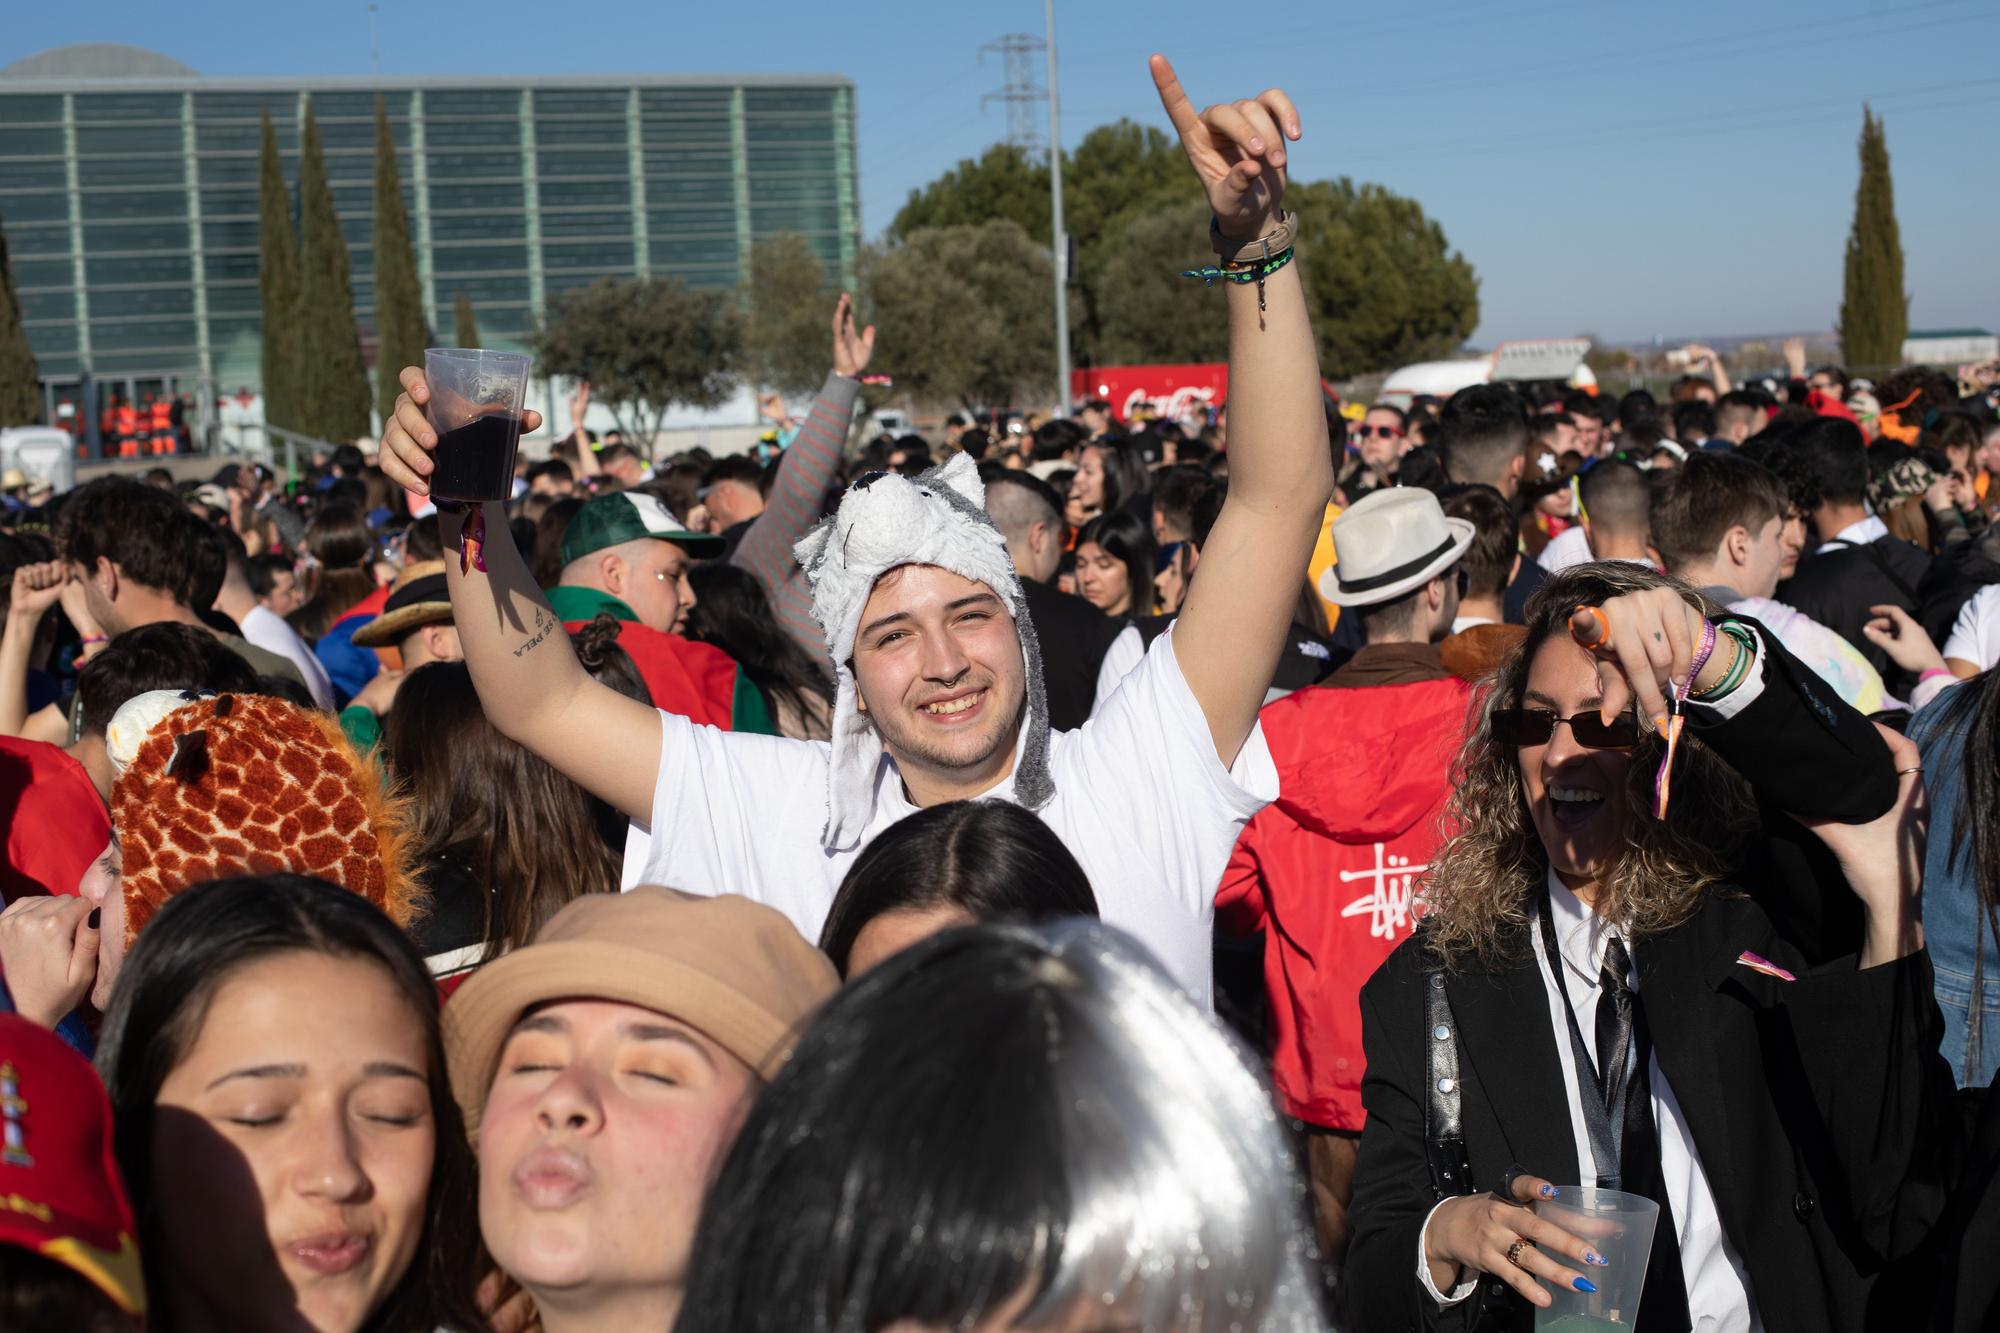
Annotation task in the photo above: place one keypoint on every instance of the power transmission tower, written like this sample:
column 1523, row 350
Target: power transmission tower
column 1021, row 93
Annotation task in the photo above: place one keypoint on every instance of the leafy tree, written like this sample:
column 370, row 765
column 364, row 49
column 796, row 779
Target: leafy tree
column 1874, row 310
column 1135, row 214
column 964, row 313
column 784, row 336
column 1145, row 312
column 467, row 327
column 20, row 396
column 1382, row 284
column 334, row 397
column 1005, row 183
column 277, row 286
column 400, row 332
column 645, row 345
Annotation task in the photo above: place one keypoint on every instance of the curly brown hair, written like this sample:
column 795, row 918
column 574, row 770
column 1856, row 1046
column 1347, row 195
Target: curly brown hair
column 1492, row 866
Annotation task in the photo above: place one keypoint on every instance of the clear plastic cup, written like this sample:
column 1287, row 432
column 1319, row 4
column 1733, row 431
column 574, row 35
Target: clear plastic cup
column 475, row 408
column 1618, row 1226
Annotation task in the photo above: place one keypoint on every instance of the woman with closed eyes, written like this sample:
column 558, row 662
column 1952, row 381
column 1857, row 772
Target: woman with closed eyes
column 284, row 1120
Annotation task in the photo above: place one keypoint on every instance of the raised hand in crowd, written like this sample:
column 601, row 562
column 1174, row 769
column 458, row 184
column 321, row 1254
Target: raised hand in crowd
column 1645, row 645
column 851, row 351
column 35, row 589
column 1883, row 859
column 409, row 439
column 771, row 406
column 1236, row 148
column 48, row 954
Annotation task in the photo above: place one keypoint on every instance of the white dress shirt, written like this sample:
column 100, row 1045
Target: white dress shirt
column 1870, row 529
column 1718, row 1288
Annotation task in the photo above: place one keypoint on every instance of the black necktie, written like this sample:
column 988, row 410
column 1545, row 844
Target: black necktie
column 1623, row 1054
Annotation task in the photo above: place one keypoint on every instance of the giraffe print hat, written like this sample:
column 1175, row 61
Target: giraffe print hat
column 211, row 785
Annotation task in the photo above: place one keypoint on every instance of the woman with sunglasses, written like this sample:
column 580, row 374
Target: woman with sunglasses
column 1662, row 1004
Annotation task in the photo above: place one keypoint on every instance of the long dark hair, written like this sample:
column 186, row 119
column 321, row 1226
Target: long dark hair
column 1974, row 708
column 1002, row 1110
column 546, row 560
column 197, row 942
column 993, row 859
column 1128, row 540
column 340, row 541
column 1125, row 477
column 521, row 827
column 732, row 612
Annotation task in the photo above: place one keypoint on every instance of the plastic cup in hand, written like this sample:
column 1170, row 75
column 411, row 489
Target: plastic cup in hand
column 475, row 408
column 1619, row 1227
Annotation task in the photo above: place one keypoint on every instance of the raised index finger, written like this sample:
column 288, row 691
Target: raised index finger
column 1179, row 110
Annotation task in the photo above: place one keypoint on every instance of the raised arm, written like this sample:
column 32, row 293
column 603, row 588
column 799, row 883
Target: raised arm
column 1233, row 624
column 803, row 477
column 529, row 681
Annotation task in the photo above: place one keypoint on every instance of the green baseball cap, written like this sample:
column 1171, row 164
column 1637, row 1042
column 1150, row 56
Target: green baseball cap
column 611, row 520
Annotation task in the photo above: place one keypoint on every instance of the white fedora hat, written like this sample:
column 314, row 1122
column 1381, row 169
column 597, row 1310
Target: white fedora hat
column 1389, row 544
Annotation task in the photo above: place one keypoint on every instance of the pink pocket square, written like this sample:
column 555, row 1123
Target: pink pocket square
column 1759, row 964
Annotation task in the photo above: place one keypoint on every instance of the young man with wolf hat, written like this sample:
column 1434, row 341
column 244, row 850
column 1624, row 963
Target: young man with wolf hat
column 940, row 692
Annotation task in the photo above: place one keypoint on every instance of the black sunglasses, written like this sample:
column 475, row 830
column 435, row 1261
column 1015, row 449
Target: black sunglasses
column 1536, row 726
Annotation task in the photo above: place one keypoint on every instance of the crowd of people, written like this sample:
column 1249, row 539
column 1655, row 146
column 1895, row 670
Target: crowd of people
column 1278, row 871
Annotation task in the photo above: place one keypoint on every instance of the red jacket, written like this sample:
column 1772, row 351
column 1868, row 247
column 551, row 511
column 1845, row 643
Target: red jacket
column 1327, row 872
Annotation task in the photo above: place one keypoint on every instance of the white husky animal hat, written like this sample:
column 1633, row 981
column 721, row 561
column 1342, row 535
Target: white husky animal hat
column 886, row 521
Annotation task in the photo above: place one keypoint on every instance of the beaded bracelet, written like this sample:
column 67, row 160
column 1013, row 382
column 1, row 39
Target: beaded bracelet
column 1214, row 273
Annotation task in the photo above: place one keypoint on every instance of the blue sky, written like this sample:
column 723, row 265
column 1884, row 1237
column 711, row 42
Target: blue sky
column 1633, row 170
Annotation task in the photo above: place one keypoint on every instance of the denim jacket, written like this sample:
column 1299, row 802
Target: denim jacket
column 1961, row 944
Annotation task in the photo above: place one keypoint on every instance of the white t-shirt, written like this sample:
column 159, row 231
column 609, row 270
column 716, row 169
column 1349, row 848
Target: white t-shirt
column 1975, row 635
column 1566, row 548
column 1121, row 659
column 1141, row 801
column 268, row 630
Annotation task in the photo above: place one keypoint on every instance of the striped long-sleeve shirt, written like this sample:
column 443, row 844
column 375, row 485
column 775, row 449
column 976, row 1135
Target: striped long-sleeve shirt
column 793, row 506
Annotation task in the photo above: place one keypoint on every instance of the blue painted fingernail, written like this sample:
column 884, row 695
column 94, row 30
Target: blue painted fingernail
column 1593, row 1257
column 1550, row 1191
column 1584, row 1284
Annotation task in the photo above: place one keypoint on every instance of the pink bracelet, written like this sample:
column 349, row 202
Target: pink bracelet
column 1928, row 673
column 1701, row 654
column 89, row 639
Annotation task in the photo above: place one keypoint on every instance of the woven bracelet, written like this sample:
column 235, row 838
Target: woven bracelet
column 1214, row 273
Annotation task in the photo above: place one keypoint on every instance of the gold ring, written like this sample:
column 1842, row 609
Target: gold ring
column 1514, row 1252
column 1901, row 772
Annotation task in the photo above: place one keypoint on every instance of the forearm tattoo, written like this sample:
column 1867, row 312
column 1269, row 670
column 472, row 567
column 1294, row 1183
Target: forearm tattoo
column 544, row 622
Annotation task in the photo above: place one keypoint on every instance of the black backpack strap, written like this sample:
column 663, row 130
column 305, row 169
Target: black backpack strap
column 1882, row 563
column 1444, row 1127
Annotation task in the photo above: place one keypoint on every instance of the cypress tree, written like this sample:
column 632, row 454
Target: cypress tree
column 20, row 396
column 278, row 286
column 400, row 335
column 333, row 378
column 468, row 328
column 1874, row 310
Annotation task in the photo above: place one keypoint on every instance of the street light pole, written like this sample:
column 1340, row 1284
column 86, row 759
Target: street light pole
column 1061, row 246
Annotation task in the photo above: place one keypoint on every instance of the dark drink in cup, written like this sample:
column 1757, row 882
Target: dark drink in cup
column 476, row 461
column 475, row 408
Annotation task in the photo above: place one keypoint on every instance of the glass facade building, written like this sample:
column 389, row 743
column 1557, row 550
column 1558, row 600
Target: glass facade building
column 130, row 203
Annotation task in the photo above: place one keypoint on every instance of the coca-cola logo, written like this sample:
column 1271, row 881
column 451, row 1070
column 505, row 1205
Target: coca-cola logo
column 1172, row 407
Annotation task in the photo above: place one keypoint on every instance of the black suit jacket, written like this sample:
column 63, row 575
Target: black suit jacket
column 1836, row 587
column 1812, row 1103
column 1970, row 1237
column 1074, row 636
